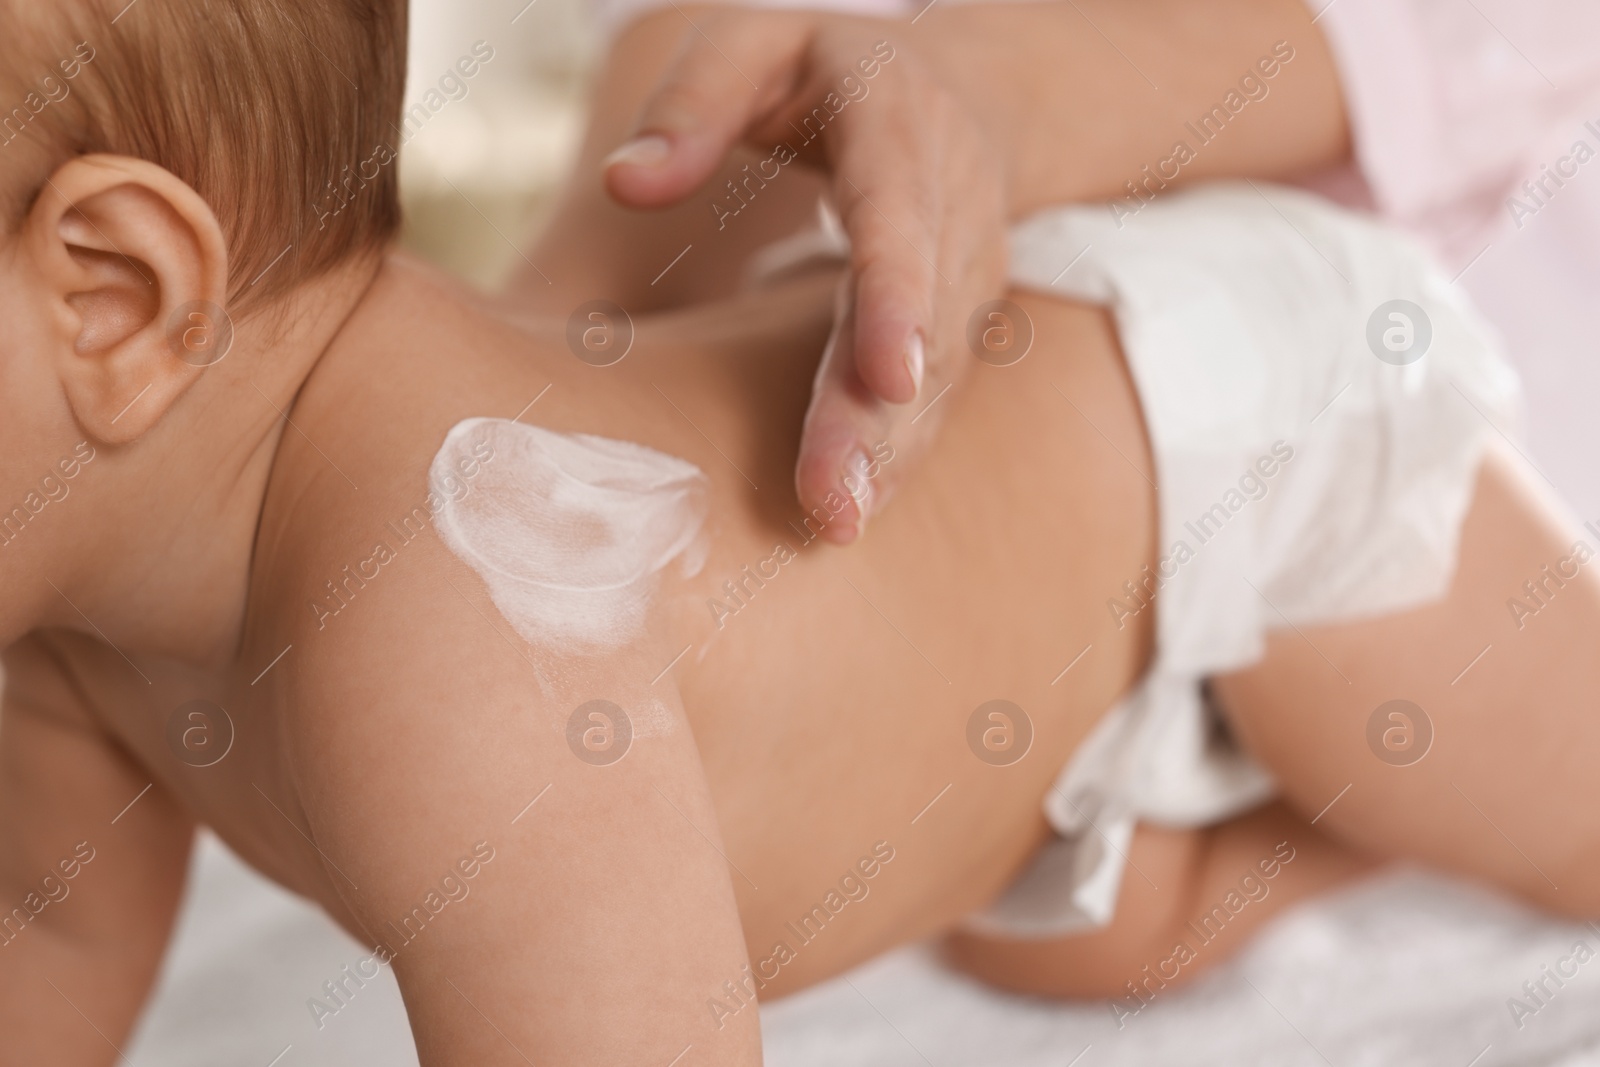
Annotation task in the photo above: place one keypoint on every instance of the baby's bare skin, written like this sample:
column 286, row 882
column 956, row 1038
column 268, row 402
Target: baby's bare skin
column 829, row 713
column 822, row 727
column 412, row 735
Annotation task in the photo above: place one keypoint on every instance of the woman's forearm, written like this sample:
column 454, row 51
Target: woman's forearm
column 1081, row 96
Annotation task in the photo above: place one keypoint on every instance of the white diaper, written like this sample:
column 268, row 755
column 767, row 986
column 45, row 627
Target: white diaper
column 1302, row 479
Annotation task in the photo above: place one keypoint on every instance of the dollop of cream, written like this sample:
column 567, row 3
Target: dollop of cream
column 570, row 532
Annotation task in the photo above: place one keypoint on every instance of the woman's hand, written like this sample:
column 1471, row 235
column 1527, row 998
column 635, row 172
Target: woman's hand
column 919, row 188
column 981, row 110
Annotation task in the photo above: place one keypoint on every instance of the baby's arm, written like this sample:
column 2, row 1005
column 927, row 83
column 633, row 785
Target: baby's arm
column 539, row 907
column 91, row 871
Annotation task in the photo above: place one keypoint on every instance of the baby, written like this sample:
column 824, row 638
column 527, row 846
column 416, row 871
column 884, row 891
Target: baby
column 507, row 644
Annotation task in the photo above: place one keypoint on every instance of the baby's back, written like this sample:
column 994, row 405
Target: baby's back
column 458, row 602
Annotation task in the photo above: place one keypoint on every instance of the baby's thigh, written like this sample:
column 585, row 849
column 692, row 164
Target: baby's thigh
column 1189, row 900
column 1460, row 733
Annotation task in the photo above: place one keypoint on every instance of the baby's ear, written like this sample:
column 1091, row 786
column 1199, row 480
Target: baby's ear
column 135, row 264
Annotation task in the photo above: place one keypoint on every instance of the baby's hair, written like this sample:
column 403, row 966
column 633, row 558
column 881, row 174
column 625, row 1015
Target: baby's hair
column 280, row 113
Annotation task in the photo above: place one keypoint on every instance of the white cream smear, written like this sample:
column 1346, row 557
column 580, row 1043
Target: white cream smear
column 569, row 532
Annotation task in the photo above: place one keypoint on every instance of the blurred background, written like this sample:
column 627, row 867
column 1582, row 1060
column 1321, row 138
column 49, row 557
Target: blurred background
column 479, row 173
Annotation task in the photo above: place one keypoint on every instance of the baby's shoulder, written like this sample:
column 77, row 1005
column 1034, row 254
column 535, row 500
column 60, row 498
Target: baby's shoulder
column 422, row 523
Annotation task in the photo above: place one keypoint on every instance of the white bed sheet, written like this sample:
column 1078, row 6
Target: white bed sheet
column 1403, row 969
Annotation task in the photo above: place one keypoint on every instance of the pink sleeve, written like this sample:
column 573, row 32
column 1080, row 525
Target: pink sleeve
column 1455, row 104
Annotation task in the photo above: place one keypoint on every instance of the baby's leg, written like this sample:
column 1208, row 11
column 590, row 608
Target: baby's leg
column 1490, row 770
column 1189, row 899
column 91, row 870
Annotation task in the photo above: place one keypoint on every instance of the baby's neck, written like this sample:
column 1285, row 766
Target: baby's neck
column 150, row 550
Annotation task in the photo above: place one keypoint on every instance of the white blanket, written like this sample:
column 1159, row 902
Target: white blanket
column 1404, row 969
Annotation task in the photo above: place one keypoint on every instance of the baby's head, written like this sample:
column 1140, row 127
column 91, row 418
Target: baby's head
column 279, row 114
column 170, row 171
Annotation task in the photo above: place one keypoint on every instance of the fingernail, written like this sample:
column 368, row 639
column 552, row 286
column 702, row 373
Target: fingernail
column 915, row 359
column 858, row 487
column 651, row 150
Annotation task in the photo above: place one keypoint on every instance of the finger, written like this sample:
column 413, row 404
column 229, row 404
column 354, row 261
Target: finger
column 829, row 437
column 928, row 240
column 734, row 68
column 895, row 295
column 842, row 477
column 888, row 176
